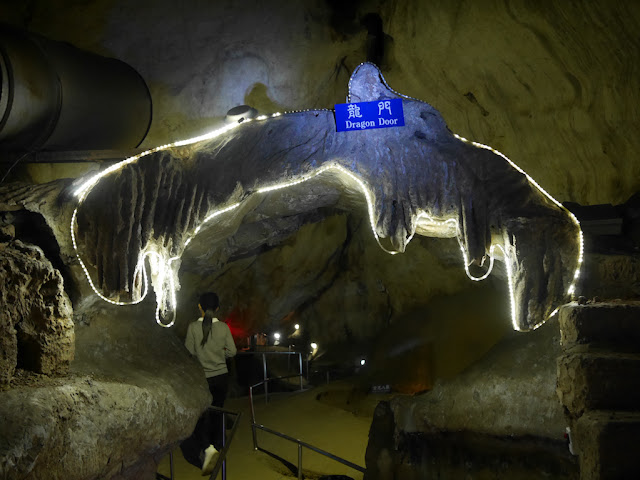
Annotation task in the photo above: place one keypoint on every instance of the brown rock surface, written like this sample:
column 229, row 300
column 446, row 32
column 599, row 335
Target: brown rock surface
column 589, row 381
column 37, row 330
column 133, row 394
column 614, row 326
column 491, row 419
column 608, row 444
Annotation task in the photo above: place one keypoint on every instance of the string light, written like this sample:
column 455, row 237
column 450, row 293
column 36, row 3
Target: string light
column 576, row 275
column 572, row 287
column 162, row 272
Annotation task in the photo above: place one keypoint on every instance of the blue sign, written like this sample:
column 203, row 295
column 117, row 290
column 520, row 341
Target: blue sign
column 366, row 115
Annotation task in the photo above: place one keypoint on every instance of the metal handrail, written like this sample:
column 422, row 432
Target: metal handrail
column 300, row 443
column 221, row 462
column 264, row 369
column 222, row 458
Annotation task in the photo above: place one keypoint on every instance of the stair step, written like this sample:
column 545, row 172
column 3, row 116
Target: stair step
column 607, row 443
column 593, row 381
column 613, row 326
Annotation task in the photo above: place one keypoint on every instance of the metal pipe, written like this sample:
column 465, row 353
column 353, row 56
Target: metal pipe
column 266, row 353
column 55, row 96
column 255, row 437
column 299, row 461
column 276, row 378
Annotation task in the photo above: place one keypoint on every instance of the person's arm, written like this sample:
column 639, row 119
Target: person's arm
column 190, row 341
column 229, row 345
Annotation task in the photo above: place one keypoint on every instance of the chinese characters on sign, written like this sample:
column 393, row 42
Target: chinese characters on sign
column 366, row 115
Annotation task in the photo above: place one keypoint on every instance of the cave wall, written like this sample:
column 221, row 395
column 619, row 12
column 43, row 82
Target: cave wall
column 553, row 86
column 36, row 329
column 87, row 390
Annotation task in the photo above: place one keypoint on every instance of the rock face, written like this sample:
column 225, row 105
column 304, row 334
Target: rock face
column 37, row 332
column 496, row 417
column 133, row 394
column 129, row 395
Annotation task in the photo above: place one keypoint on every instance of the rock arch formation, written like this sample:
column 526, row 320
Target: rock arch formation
column 420, row 178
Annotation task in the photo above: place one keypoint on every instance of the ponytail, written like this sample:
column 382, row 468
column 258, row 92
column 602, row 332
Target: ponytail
column 206, row 326
column 209, row 302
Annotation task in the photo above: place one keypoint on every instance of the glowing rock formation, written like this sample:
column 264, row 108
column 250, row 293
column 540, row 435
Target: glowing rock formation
column 420, row 178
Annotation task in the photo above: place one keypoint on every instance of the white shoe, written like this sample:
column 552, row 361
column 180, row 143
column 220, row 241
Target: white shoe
column 210, row 459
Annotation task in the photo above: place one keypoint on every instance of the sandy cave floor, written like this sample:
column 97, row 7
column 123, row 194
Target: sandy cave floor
column 331, row 417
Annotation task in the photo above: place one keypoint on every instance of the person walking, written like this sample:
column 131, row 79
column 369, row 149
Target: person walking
column 210, row 341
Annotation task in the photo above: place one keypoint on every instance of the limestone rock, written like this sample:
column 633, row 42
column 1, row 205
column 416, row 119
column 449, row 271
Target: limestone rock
column 133, row 394
column 37, row 329
column 608, row 445
column 511, row 391
column 598, row 381
column 483, row 419
column 87, row 428
column 415, row 179
column 612, row 326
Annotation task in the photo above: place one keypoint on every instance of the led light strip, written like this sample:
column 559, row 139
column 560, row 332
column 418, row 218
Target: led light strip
column 576, row 275
column 140, row 268
column 279, row 186
column 512, row 292
column 465, row 256
column 158, row 269
column 572, row 287
column 81, row 194
column 86, row 187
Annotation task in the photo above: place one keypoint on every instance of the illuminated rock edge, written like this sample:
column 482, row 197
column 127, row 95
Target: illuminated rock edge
column 420, row 178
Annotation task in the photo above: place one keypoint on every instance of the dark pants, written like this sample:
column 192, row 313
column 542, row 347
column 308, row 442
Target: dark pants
column 218, row 386
column 208, row 430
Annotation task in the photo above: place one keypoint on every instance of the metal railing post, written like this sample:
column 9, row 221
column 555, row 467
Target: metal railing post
column 224, row 431
column 171, row 464
column 220, row 466
column 300, row 361
column 253, row 420
column 266, row 387
column 299, row 461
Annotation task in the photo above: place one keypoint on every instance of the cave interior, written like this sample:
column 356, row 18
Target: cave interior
column 458, row 291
